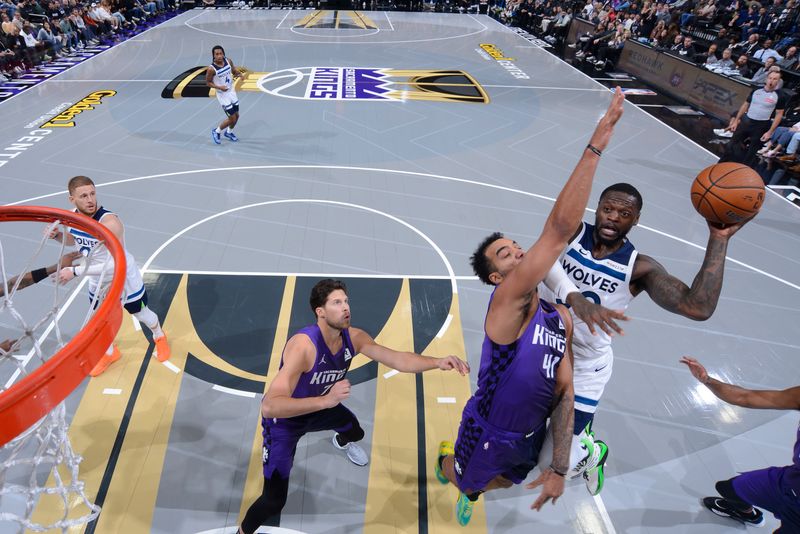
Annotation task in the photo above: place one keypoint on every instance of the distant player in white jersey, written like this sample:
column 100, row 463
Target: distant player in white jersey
column 83, row 196
column 601, row 265
column 219, row 76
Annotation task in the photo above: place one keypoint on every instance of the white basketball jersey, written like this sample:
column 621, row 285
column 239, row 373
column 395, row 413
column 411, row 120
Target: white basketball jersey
column 223, row 76
column 606, row 282
column 88, row 244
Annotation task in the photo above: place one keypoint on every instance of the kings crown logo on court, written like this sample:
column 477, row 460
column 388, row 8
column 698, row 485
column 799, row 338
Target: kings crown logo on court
column 366, row 84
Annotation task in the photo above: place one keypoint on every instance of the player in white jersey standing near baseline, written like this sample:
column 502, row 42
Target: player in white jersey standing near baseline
column 600, row 267
column 219, row 76
column 83, row 196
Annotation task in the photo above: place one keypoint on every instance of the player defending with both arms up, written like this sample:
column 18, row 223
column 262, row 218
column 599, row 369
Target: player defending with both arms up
column 525, row 374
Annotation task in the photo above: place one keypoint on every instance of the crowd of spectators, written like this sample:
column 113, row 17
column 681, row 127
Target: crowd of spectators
column 37, row 31
column 739, row 37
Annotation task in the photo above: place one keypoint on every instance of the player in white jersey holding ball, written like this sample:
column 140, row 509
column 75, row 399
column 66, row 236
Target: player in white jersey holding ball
column 100, row 266
column 601, row 267
column 219, row 76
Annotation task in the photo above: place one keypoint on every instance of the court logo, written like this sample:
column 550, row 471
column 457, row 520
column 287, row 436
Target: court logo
column 372, row 84
column 65, row 119
column 505, row 62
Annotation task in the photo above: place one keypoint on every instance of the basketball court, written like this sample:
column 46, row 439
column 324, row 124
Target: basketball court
column 379, row 148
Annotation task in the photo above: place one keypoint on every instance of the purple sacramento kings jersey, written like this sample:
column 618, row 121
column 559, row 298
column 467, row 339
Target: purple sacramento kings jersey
column 516, row 381
column 328, row 368
column 793, row 472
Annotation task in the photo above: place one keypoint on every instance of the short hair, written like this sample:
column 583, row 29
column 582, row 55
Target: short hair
column 78, row 181
column 217, row 47
column 628, row 189
column 481, row 265
column 321, row 291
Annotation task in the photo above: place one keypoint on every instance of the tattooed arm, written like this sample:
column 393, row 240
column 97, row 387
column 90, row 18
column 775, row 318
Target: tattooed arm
column 562, row 420
column 699, row 301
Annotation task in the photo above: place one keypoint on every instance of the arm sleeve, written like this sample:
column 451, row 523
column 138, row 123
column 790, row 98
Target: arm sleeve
column 559, row 283
column 96, row 269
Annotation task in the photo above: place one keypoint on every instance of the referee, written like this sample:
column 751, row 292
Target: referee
column 753, row 122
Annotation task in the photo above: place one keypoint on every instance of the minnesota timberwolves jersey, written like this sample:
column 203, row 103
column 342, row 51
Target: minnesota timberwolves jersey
column 224, row 76
column 88, row 246
column 605, row 281
column 328, row 368
column 516, row 381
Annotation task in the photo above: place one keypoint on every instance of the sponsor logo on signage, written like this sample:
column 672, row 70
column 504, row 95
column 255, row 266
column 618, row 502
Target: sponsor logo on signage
column 531, row 39
column 501, row 59
column 65, row 119
column 715, row 93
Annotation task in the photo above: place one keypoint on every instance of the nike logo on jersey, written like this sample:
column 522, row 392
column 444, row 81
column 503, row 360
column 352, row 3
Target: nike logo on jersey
column 322, row 360
column 597, row 370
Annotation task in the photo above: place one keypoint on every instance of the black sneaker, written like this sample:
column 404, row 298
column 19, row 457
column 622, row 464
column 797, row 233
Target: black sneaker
column 720, row 506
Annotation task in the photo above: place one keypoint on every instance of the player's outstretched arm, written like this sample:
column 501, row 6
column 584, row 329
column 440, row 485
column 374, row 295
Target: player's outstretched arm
column 699, row 301
column 562, row 421
column 298, row 358
column 514, row 292
column 787, row 399
column 37, row 275
column 405, row 362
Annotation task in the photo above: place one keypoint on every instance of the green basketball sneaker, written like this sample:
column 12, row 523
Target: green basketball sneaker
column 594, row 474
column 464, row 509
column 445, row 449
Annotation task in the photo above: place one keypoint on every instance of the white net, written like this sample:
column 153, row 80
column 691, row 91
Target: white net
column 40, row 488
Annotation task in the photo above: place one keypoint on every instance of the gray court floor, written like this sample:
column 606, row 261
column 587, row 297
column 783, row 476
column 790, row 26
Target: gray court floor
column 407, row 188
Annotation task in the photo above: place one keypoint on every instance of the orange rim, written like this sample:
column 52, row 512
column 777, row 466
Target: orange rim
column 34, row 396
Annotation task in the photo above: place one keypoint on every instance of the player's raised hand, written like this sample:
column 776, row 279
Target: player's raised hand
column 697, row 369
column 339, row 392
column 726, row 231
column 595, row 315
column 552, row 487
column 602, row 134
column 52, row 231
column 452, row 362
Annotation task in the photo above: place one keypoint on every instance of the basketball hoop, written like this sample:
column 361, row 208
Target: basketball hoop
column 33, row 428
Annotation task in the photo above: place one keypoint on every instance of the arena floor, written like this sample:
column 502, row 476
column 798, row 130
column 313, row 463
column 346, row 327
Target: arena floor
column 390, row 191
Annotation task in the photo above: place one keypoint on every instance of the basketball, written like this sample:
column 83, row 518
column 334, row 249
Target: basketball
column 727, row 193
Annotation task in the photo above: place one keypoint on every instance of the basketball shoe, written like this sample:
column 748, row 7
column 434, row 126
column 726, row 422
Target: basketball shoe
column 231, row 136
column 720, row 506
column 162, row 348
column 215, row 136
column 355, row 453
column 445, row 449
column 594, row 475
column 464, row 509
column 105, row 361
